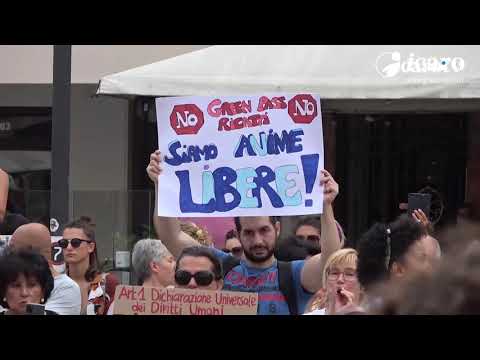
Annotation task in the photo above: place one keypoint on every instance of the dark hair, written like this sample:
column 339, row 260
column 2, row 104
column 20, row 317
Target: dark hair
column 294, row 248
column 29, row 263
column 238, row 225
column 12, row 222
column 202, row 251
column 454, row 289
column 375, row 257
column 86, row 224
column 313, row 221
column 232, row 234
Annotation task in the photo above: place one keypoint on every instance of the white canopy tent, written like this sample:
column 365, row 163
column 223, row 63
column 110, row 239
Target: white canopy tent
column 332, row 71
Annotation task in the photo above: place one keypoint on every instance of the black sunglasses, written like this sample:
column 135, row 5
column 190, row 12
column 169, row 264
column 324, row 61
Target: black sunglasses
column 235, row 250
column 63, row 243
column 202, row 278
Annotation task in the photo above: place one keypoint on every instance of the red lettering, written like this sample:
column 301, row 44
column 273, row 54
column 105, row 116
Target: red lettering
column 125, row 293
column 247, row 107
column 238, row 123
column 264, row 104
column 271, row 297
column 215, row 112
column 154, row 307
column 254, row 120
column 138, row 308
column 223, row 124
column 227, row 109
column 229, row 124
column 141, row 294
column 279, row 102
column 155, row 294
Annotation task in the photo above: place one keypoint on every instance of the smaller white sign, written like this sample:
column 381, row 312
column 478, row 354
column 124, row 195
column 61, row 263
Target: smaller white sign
column 122, row 259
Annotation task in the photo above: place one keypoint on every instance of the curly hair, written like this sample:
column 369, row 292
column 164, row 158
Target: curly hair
column 196, row 232
column 378, row 249
column 29, row 263
column 454, row 289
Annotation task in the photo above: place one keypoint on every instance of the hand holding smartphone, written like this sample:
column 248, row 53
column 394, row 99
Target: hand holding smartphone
column 35, row 309
column 419, row 201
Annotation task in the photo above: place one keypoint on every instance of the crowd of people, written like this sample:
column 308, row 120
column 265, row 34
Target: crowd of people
column 396, row 268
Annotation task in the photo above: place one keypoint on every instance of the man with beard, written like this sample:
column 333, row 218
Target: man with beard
column 259, row 271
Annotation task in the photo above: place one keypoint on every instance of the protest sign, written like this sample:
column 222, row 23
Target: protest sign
column 240, row 155
column 139, row 300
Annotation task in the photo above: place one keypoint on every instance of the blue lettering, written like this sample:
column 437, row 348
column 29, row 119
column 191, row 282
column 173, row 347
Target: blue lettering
column 262, row 148
column 283, row 185
column 265, row 175
column 271, row 144
column 293, row 147
column 243, row 186
column 243, row 144
column 186, row 203
column 223, row 178
column 175, row 159
column 207, row 187
column 192, row 153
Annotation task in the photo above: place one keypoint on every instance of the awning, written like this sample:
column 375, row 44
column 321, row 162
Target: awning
column 332, row 71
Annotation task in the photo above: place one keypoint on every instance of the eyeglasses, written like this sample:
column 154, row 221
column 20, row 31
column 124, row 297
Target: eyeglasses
column 63, row 243
column 235, row 250
column 348, row 275
column 314, row 238
column 202, row 278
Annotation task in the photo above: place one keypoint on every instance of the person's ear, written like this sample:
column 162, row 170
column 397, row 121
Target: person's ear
column 397, row 269
column 219, row 284
column 91, row 247
column 277, row 227
column 154, row 268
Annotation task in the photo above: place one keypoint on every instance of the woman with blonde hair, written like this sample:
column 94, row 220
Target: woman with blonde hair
column 196, row 232
column 341, row 293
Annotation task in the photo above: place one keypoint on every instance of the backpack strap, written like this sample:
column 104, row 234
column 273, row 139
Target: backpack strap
column 228, row 263
column 285, row 283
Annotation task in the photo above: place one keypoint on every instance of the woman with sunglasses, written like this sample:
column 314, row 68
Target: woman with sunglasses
column 198, row 268
column 80, row 253
column 232, row 244
column 342, row 293
column 309, row 228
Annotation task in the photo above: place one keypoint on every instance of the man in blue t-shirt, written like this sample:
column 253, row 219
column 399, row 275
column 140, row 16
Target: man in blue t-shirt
column 258, row 271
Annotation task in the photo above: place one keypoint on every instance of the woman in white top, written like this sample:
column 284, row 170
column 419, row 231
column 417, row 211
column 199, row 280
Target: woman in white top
column 342, row 293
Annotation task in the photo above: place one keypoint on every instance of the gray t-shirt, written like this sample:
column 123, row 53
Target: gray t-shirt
column 65, row 298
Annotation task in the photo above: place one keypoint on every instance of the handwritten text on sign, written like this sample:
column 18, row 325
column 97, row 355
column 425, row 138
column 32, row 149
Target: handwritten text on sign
column 240, row 155
column 141, row 300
